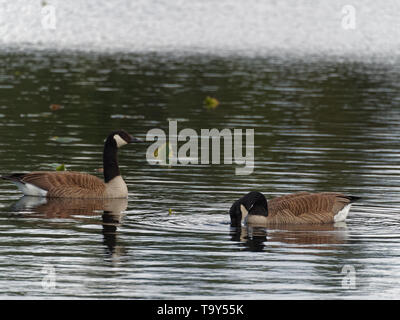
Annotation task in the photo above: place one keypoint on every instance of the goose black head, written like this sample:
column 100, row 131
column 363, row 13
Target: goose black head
column 121, row 138
column 252, row 203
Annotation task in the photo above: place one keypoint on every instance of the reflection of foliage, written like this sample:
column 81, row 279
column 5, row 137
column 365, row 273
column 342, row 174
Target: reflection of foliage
column 64, row 139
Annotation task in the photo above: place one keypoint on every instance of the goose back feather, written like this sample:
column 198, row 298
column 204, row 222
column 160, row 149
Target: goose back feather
column 306, row 208
column 298, row 208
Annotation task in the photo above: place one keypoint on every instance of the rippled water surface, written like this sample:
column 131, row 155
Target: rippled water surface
column 319, row 125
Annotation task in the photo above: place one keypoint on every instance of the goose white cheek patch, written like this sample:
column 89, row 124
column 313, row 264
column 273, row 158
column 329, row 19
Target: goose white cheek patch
column 244, row 212
column 120, row 142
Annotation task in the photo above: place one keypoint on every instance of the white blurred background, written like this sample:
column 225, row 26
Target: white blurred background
column 251, row 27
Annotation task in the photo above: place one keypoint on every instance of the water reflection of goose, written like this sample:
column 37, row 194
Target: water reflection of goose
column 66, row 208
column 253, row 239
column 310, row 236
column 328, row 235
column 111, row 211
column 298, row 208
column 70, row 184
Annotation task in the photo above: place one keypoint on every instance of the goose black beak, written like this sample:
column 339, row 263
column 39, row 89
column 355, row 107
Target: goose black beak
column 134, row 140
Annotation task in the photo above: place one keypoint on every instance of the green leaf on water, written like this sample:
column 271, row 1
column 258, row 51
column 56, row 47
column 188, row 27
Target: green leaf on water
column 61, row 167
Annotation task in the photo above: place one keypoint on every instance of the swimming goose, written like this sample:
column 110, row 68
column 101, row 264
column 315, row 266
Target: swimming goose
column 298, row 208
column 70, row 184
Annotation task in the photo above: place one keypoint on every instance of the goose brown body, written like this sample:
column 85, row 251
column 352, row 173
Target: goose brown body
column 64, row 184
column 298, row 208
column 70, row 184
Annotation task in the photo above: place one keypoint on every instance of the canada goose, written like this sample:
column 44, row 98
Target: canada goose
column 298, row 208
column 70, row 184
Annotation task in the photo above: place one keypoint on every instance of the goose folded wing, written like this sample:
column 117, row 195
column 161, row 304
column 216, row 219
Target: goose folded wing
column 49, row 180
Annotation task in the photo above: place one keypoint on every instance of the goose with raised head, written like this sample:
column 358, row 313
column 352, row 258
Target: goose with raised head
column 297, row 208
column 70, row 184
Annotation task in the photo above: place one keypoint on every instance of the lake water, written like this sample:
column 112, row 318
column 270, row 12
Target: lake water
column 322, row 123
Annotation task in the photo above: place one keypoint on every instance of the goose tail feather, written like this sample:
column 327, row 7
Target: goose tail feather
column 14, row 177
column 353, row 198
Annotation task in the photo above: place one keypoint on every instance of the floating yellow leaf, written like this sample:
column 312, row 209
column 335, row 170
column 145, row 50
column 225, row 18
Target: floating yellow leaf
column 163, row 154
column 210, row 102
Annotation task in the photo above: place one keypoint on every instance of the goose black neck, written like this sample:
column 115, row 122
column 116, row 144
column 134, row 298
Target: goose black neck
column 110, row 160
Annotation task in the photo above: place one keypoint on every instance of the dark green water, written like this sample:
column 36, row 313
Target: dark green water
column 320, row 125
